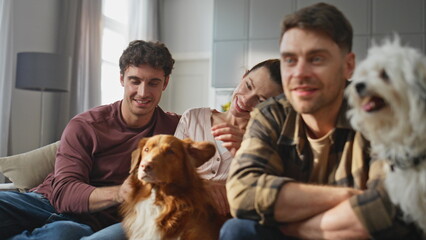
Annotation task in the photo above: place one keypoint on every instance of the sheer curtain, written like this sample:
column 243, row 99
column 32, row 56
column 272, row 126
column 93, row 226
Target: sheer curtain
column 7, row 59
column 79, row 36
column 6, row 74
column 144, row 20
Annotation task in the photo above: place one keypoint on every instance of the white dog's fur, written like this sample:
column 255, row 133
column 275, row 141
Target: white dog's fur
column 388, row 99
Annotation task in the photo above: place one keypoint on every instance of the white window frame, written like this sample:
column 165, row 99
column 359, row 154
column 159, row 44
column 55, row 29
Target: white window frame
column 121, row 29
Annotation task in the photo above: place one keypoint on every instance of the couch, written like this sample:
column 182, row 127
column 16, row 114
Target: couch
column 27, row 170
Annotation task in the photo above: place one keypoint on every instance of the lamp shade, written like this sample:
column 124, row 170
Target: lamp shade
column 43, row 72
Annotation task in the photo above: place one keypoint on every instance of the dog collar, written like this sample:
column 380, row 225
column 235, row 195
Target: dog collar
column 406, row 163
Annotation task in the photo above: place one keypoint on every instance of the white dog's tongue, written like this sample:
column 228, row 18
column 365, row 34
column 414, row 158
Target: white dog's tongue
column 368, row 106
column 374, row 104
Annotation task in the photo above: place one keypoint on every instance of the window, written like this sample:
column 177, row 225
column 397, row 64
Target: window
column 114, row 41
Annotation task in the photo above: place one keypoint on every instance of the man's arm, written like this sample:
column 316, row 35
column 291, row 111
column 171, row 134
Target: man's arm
column 343, row 221
column 105, row 197
column 298, row 201
column 339, row 222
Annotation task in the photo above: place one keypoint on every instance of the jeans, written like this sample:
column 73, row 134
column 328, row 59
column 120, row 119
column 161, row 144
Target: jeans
column 31, row 216
column 113, row 232
column 235, row 229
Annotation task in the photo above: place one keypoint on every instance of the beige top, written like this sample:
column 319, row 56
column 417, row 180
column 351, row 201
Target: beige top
column 196, row 124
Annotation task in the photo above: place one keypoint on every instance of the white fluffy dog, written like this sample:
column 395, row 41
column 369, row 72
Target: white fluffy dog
column 388, row 99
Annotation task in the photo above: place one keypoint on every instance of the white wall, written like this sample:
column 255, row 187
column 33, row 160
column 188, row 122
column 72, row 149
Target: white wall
column 187, row 28
column 34, row 30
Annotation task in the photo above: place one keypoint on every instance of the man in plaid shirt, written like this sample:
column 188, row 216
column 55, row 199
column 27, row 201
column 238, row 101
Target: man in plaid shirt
column 302, row 171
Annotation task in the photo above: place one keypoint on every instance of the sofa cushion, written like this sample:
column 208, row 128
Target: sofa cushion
column 27, row 170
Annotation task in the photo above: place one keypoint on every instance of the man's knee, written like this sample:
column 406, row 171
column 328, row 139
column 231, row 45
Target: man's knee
column 248, row 230
column 6, row 197
column 114, row 231
column 63, row 230
column 66, row 229
column 238, row 229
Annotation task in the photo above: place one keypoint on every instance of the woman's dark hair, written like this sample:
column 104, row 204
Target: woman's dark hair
column 324, row 18
column 154, row 54
column 273, row 66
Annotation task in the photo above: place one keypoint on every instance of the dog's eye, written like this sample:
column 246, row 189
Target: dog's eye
column 169, row 151
column 146, row 149
column 384, row 75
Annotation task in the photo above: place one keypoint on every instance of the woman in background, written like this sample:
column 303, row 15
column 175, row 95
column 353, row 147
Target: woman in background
column 226, row 129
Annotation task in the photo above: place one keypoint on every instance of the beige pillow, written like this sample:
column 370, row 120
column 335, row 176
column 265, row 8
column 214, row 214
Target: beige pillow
column 27, row 170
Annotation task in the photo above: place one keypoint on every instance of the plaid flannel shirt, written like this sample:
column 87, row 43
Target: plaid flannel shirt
column 275, row 150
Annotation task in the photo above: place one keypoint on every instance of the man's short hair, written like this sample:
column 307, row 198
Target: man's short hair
column 324, row 18
column 155, row 54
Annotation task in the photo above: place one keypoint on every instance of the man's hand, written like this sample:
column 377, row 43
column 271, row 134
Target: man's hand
column 298, row 201
column 230, row 135
column 124, row 191
column 339, row 222
column 105, row 197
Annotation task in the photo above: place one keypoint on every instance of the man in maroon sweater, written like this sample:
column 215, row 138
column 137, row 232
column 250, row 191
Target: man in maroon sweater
column 83, row 193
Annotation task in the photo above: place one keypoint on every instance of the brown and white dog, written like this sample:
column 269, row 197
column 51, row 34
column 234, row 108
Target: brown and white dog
column 168, row 199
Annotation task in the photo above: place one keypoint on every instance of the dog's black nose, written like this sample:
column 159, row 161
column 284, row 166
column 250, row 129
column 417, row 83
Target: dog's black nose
column 360, row 88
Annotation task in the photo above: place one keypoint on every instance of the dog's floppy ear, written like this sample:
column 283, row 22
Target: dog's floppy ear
column 136, row 155
column 200, row 152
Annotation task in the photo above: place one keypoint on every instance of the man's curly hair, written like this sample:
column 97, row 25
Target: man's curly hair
column 155, row 54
